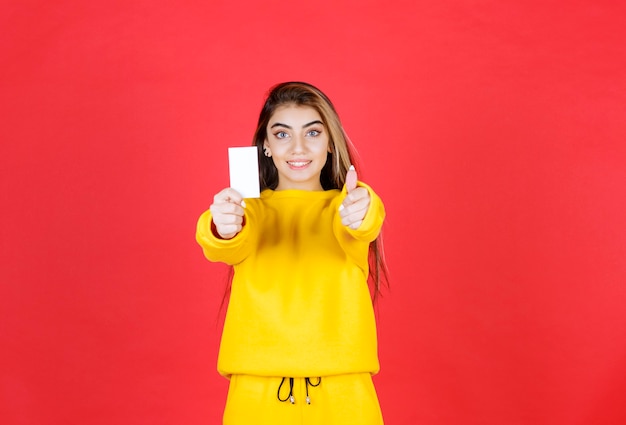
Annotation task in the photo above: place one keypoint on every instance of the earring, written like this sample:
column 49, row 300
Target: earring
column 267, row 153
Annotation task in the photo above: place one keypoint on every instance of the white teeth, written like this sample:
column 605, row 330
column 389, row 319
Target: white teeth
column 298, row 164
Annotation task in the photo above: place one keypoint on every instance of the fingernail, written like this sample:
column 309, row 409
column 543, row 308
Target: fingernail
column 243, row 203
column 340, row 207
column 351, row 167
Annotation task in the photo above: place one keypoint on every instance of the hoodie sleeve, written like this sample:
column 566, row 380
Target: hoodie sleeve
column 229, row 251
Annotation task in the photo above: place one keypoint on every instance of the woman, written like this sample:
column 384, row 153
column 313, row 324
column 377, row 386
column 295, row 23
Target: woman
column 299, row 342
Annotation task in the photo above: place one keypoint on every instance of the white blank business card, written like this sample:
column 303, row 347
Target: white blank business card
column 243, row 166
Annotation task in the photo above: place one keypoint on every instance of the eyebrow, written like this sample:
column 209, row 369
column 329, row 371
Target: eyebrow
column 278, row 124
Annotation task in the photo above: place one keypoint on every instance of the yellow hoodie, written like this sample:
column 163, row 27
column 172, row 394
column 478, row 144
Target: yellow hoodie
column 299, row 305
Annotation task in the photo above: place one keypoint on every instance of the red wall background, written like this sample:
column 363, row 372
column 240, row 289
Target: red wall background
column 494, row 131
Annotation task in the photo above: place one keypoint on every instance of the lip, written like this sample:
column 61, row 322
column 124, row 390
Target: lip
column 298, row 164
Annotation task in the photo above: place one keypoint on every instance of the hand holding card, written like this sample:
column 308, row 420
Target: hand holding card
column 228, row 205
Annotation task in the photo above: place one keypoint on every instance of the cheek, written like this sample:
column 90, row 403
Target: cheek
column 327, row 148
column 276, row 148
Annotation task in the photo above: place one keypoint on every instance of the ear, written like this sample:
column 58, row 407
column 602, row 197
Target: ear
column 266, row 149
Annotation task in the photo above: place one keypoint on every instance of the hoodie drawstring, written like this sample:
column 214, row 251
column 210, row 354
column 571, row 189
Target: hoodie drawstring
column 290, row 397
column 308, row 382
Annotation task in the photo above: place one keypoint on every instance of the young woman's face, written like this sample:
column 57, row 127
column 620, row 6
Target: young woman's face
column 297, row 141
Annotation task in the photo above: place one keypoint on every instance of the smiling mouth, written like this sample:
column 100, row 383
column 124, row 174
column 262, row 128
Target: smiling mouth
column 298, row 164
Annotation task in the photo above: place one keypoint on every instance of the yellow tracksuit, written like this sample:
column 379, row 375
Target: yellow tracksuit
column 299, row 308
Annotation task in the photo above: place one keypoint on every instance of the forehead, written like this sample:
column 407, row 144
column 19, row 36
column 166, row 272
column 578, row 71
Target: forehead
column 294, row 115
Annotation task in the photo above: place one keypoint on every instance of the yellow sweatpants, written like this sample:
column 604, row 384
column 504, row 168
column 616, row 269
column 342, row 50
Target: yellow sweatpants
column 338, row 400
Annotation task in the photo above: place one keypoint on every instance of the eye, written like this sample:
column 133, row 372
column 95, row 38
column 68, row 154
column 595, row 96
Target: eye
column 280, row 135
column 314, row 133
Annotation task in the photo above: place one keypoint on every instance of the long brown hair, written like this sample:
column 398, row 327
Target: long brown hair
column 342, row 154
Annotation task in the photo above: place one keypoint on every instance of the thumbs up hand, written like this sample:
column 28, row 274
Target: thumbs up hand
column 354, row 207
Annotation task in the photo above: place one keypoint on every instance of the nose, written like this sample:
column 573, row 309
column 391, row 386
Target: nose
column 298, row 145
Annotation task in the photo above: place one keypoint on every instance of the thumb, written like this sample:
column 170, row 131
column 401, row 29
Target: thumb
column 351, row 179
